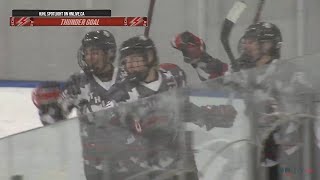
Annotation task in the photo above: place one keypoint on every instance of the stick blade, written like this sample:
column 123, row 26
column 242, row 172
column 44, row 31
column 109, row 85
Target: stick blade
column 236, row 10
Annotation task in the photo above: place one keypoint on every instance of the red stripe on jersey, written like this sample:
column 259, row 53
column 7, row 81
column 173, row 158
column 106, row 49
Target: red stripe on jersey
column 168, row 66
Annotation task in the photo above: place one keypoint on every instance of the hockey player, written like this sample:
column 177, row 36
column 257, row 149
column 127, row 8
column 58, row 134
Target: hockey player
column 261, row 45
column 194, row 53
column 86, row 91
column 260, row 48
column 138, row 57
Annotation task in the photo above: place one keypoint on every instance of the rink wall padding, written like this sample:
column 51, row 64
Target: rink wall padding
column 50, row 153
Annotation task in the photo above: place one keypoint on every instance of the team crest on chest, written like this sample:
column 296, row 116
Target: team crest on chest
column 98, row 101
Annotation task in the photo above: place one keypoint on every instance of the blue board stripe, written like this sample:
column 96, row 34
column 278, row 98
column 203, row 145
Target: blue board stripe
column 19, row 84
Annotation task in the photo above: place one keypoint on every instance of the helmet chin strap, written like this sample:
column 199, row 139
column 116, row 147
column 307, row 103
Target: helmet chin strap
column 246, row 62
column 107, row 74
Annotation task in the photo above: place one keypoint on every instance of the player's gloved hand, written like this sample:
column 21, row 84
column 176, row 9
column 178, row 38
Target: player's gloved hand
column 45, row 96
column 235, row 66
column 191, row 46
column 219, row 116
column 72, row 86
column 46, row 93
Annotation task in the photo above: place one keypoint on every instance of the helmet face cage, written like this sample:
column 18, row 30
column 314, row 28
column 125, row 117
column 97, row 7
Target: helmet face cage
column 81, row 59
column 140, row 45
column 101, row 39
column 144, row 54
column 83, row 65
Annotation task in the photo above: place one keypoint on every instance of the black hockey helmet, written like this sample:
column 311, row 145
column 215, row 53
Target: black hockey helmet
column 264, row 32
column 139, row 45
column 101, row 39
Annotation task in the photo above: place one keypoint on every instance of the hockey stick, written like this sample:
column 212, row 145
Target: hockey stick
column 150, row 14
column 227, row 26
column 258, row 13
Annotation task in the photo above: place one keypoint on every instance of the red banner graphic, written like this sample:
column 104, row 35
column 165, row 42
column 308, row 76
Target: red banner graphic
column 79, row 21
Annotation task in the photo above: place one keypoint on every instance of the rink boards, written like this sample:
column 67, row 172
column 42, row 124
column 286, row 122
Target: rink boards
column 54, row 152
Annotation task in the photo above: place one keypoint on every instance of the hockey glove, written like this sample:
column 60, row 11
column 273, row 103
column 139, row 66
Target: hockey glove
column 73, row 85
column 46, row 93
column 191, row 46
column 219, row 116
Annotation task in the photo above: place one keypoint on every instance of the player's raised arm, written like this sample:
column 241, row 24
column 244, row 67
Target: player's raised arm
column 194, row 53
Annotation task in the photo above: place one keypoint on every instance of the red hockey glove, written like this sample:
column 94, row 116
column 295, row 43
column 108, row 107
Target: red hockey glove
column 46, row 93
column 191, row 46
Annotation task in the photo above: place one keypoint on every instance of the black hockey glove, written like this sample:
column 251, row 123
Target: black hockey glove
column 219, row 116
column 72, row 86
